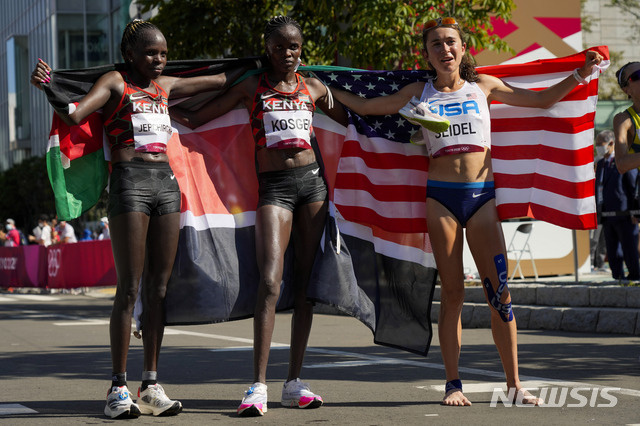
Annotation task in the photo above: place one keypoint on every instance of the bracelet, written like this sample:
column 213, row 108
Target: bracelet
column 578, row 77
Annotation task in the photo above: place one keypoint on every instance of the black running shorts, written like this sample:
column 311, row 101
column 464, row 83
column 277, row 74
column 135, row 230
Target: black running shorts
column 137, row 186
column 292, row 187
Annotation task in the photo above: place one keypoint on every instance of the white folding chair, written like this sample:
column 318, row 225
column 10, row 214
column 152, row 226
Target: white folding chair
column 521, row 237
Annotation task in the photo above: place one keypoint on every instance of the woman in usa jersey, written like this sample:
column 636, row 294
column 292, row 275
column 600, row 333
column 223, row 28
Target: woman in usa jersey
column 453, row 109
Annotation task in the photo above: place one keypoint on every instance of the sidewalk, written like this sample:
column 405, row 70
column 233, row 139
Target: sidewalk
column 594, row 304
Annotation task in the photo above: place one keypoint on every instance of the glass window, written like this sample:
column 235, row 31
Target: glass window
column 71, row 41
column 73, row 6
column 119, row 20
column 98, row 40
column 97, row 5
column 18, row 89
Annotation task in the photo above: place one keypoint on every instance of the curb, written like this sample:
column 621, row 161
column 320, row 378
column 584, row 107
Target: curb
column 610, row 309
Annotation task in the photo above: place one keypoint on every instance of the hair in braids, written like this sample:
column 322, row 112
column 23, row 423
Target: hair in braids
column 132, row 33
column 467, row 65
column 278, row 22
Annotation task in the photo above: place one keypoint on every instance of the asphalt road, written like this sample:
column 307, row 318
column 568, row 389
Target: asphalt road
column 55, row 364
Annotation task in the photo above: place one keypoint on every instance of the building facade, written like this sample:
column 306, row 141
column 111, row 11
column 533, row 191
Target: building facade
column 66, row 34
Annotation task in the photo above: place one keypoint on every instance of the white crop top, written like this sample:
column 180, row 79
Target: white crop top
column 467, row 111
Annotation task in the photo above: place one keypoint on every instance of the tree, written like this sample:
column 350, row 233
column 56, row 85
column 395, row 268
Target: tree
column 374, row 34
column 26, row 193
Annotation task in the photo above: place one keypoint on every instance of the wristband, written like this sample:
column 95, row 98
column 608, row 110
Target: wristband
column 578, row 77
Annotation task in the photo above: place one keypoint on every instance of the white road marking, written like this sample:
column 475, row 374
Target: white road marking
column 11, row 409
column 29, row 297
column 531, row 384
column 83, row 321
column 364, row 360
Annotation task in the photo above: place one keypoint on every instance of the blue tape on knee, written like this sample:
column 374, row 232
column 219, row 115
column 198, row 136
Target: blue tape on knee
column 504, row 309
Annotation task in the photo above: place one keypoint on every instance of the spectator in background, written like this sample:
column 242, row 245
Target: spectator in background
column 614, row 198
column 596, row 236
column 41, row 234
column 13, row 236
column 104, row 233
column 86, row 235
column 45, row 231
column 55, row 236
column 626, row 124
column 66, row 232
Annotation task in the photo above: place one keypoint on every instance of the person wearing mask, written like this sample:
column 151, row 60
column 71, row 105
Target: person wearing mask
column 13, row 236
column 614, row 198
column 44, row 238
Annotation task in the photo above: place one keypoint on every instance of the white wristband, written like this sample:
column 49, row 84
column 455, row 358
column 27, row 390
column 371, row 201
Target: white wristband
column 578, row 77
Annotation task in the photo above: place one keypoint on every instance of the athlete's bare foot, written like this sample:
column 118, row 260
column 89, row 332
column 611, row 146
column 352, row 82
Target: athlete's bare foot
column 455, row 397
column 522, row 396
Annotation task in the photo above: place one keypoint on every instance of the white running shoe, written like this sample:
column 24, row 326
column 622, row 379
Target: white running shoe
column 417, row 112
column 254, row 402
column 296, row 393
column 120, row 405
column 154, row 401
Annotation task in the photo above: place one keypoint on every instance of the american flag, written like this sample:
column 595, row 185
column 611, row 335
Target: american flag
column 542, row 158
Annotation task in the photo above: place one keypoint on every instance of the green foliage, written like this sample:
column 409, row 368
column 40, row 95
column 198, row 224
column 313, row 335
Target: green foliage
column 374, row 34
column 26, row 193
column 214, row 28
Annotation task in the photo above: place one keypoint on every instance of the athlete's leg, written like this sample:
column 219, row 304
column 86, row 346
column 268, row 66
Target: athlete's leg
column 128, row 236
column 273, row 231
column 162, row 244
column 308, row 226
column 445, row 234
column 487, row 245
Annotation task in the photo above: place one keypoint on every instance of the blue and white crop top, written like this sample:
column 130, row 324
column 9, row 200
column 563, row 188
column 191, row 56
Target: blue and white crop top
column 467, row 111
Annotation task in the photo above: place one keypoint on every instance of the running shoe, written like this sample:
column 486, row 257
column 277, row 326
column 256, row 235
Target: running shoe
column 296, row 393
column 154, row 401
column 417, row 112
column 120, row 405
column 254, row 402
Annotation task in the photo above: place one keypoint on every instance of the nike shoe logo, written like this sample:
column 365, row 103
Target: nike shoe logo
column 173, row 177
column 315, row 172
column 478, row 195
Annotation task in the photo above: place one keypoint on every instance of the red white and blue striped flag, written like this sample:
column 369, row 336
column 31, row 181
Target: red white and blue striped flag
column 375, row 261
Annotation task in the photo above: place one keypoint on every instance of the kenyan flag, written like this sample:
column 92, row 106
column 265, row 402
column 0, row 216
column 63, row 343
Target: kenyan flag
column 76, row 165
